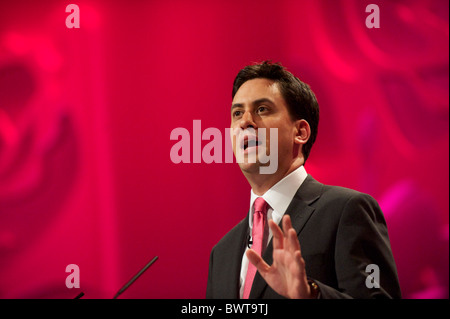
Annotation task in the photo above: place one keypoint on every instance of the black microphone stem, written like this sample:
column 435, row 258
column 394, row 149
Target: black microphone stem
column 135, row 277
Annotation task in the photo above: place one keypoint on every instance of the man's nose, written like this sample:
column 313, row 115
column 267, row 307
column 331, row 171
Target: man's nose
column 247, row 121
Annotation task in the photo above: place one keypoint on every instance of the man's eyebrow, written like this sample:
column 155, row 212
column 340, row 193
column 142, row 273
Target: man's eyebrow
column 255, row 102
column 235, row 105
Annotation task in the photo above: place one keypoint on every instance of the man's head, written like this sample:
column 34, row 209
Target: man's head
column 298, row 96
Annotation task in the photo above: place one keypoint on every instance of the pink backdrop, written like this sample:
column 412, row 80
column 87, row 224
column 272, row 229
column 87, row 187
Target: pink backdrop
column 86, row 115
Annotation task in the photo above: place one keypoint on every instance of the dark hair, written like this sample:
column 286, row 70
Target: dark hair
column 301, row 101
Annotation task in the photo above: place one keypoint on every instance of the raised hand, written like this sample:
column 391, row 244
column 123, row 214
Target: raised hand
column 286, row 275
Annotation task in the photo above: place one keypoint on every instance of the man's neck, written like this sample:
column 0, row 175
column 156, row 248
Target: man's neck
column 261, row 183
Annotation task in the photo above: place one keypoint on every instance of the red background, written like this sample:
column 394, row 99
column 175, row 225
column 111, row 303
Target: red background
column 86, row 115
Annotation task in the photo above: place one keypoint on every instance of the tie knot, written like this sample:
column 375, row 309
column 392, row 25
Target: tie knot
column 260, row 205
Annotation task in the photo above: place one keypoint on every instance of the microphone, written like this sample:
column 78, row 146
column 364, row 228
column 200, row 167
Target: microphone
column 249, row 241
column 128, row 284
column 81, row 294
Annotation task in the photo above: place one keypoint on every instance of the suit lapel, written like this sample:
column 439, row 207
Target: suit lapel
column 300, row 211
column 300, row 208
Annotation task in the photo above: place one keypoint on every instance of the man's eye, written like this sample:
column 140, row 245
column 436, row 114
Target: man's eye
column 262, row 109
column 236, row 113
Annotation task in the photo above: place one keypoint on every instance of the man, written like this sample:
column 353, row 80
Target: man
column 333, row 242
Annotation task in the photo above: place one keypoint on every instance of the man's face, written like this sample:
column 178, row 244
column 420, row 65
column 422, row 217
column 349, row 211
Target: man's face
column 258, row 104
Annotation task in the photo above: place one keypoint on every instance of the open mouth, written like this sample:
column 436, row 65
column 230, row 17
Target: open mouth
column 250, row 141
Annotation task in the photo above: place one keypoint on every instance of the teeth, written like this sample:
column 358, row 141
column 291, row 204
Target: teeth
column 250, row 143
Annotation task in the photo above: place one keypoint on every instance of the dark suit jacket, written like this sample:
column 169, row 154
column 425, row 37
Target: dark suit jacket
column 340, row 230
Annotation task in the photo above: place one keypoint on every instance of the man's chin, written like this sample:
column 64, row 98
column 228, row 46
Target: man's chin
column 250, row 168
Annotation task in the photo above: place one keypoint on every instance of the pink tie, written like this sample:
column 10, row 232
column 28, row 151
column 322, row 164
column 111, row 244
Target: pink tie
column 259, row 221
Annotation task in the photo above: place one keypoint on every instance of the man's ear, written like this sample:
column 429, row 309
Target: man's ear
column 303, row 132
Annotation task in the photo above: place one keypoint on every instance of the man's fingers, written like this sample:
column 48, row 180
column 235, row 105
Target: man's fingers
column 277, row 233
column 256, row 260
column 286, row 238
column 294, row 244
column 287, row 224
column 291, row 242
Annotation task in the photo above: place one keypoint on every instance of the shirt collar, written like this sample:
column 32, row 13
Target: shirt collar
column 281, row 194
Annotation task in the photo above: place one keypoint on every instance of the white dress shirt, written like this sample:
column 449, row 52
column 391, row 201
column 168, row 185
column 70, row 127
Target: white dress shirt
column 278, row 198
